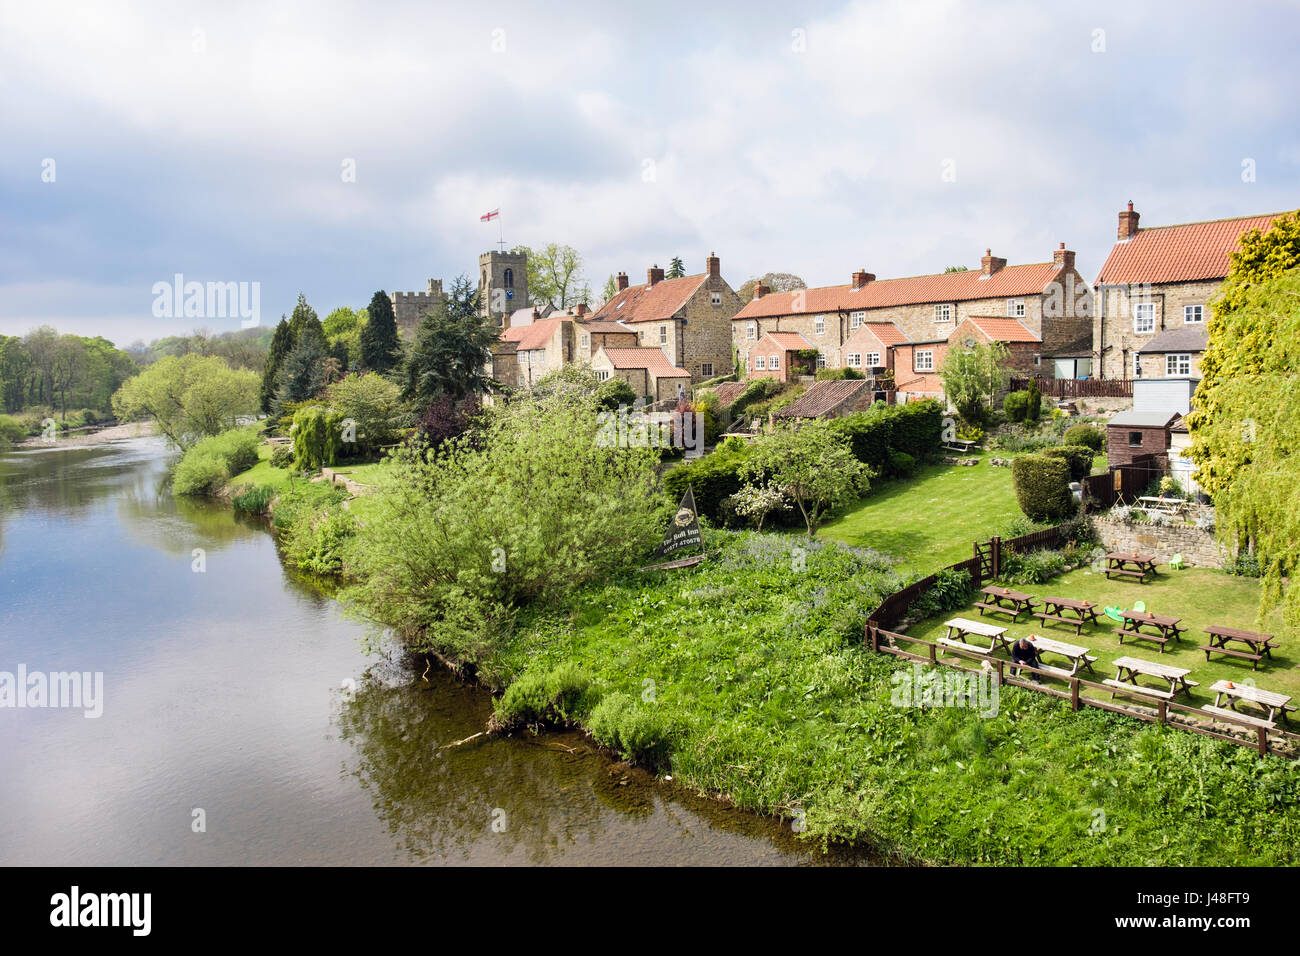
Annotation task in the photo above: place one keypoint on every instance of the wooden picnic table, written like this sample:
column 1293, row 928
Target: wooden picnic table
column 1055, row 609
column 1274, row 704
column 1127, row 670
column 1005, row 601
column 1078, row 657
column 959, row 628
column 962, row 445
column 1260, row 645
column 1130, row 564
column 1166, row 628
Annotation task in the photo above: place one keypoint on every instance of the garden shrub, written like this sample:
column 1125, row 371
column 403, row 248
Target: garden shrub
column 1090, row 436
column 1035, row 567
column 1016, row 406
column 317, row 437
column 200, row 473
column 1033, row 402
column 252, row 499
column 1078, row 458
column 11, row 429
column 1245, row 565
column 902, row 465
column 714, row 478
column 1042, row 487
column 838, row 374
column 282, row 456
column 951, row 591
column 641, row 733
column 316, row 541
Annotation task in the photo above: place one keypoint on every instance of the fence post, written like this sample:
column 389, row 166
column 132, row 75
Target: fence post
column 1160, row 709
column 1074, row 694
column 1000, row 663
column 933, row 659
column 996, row 542
column 1262, row 736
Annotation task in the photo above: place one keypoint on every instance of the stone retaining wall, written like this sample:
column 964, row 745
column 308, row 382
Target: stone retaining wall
column 1197, row 547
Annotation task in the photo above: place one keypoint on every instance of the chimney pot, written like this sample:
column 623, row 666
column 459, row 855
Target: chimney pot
column 760, row 290
column 621, row 281
column 653, row 275
column 712, row 265
column 990, row 263
column 1063, row 258
column 861, row 278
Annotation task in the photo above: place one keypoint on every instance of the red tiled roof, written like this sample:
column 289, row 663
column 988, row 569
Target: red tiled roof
column 789, row 341
column 728, row 392
column 604, row 328
column 822, row 397
column 645, row 303
column 1001, row 330
column 648, row 358
column 532, row 336
column 1029, row 279
column 1184, row 253
column 880, row 333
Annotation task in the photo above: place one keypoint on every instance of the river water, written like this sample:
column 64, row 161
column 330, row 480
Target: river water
column 242, row 723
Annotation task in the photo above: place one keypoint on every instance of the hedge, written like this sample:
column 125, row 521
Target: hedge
column 714, row 478
column 1078, row 458
column 1090, row 436
column 1042, row 487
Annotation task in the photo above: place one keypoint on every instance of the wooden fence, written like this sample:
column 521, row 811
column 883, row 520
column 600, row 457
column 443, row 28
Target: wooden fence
column 1158, row 711
column 1078, row 387
column 1122, row 483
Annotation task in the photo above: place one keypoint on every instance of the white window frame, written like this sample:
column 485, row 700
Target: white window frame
column 1196, row 310
column 1144, row 313
column 1178, row 364
column 821, row 360
column 706, row 369
column 873, row 360
column 774, row 363
column 715, row 298
column 602, row 375
column 856, row 319
column 819, row 325
column 760, row 363
column 751, row 330
column 927, row 365
column 853, row 360
column 943, row 312
column 1015, row 308
column 585, row 340
column 663, row 335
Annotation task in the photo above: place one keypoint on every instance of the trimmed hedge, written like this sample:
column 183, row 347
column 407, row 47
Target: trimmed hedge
column 1078, row 458
column 1016, row 406
column 880, row 432
column 1042, row 487
column 837, row 374
column 1090, row 436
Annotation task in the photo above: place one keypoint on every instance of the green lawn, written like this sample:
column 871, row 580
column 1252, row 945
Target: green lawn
column 263, row 473
column 366, row 474
column 932, row 519
column 1199, row 596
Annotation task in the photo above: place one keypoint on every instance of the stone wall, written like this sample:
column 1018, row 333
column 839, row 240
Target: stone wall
column 1197, row 547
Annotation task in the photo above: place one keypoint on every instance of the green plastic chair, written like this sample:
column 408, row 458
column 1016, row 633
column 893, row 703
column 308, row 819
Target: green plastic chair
column 1176, row 563
column 1140, row 606
column 1115, row 614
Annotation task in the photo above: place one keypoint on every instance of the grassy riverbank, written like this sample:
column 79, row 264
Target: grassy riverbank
column 777, row 707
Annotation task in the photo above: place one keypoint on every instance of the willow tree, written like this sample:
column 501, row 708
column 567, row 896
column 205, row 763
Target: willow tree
column 1246, row 428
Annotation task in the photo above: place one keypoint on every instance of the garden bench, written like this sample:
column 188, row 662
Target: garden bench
column 1261, row 645
column 1239, row 717
column 1072, row 622
column 962, row 646
column 1232, row 652
column 1162, row 641
column 1154, row 692
column 1127, row 670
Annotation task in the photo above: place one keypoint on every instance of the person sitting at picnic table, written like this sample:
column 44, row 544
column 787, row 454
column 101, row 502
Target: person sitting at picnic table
column 1022, row 652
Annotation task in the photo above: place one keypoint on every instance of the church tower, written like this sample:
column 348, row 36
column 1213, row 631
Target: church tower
column 503, row 284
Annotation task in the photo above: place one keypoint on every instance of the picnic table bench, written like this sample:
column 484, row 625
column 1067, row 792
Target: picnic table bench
column 1127, row 670
column 1078, row 657
column 1276, row 705
column 1055, row 608
column 962, row 445
column 1006, row 601
column 1166, row 628
column 1130, row 564
column 1260, row 645
column 962, row 627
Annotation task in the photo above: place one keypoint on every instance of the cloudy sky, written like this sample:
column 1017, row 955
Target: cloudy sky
column 141, row 140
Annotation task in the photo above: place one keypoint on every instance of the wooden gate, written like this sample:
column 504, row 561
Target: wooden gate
column 989, row 554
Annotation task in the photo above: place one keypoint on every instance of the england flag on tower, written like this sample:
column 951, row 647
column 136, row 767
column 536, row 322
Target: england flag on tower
column 489, row 216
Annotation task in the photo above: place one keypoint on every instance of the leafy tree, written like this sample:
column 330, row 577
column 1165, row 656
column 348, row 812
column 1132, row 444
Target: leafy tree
column 756, row 502
column 374, row 405
column 282, row 343
column 948, row 269
column 972, row 377
column 381, row 346
column 610, row 290
column 676, row 268
column 188, row 398
column 451, row 350
column 812, row 465
column 303, row 318
column 554, row 275
column 1243, row 341
column 1246, row 427
column 317, row 437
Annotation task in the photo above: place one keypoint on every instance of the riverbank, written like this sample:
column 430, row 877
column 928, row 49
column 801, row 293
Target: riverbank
column 92, row 435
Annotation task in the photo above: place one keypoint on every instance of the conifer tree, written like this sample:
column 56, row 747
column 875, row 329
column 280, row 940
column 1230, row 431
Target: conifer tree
column 381, row 347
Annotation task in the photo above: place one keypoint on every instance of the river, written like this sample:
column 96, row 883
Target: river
column 242, row 723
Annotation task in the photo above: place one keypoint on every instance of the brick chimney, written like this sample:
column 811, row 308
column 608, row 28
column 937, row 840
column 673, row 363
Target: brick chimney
column 1063, row 258
column 991, row 263
column 713, row 265
column 862, row 277
column 621, row 280
column 654, row 274
column 580, row 309
column 1128, row 222
column 760, row 290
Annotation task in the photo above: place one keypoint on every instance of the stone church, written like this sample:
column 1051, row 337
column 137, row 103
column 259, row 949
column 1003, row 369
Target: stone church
column 503, row 291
